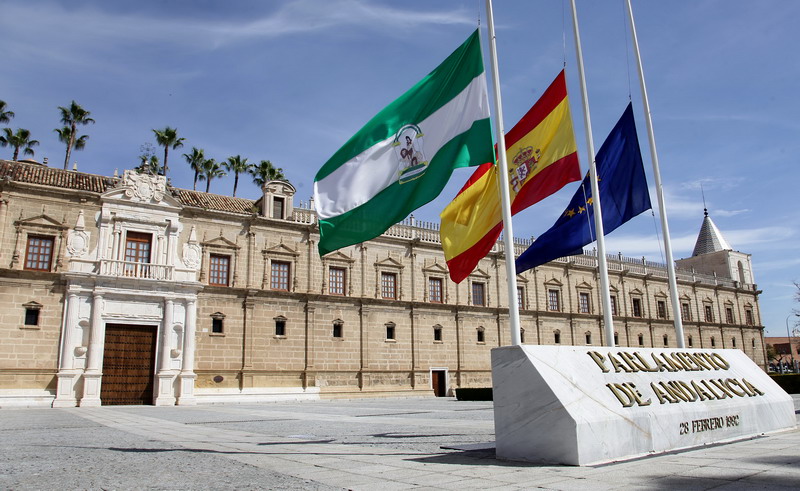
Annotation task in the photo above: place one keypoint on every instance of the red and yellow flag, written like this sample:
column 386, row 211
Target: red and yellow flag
column 542, row 158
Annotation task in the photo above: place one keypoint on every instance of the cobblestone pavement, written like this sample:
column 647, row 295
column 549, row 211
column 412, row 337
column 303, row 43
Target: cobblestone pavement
column 356, row 444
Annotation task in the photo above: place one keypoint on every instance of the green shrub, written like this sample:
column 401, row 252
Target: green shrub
column 789, row 382
column 474, row 394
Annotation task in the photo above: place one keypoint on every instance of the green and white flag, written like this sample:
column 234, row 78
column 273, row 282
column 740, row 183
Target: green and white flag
column 404, row 156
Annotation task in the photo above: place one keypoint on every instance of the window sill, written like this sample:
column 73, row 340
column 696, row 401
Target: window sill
column 481, row 342
column 438, row 342
column 31, row 328
column 390, row 341
column 217, row 334
column 279, row 336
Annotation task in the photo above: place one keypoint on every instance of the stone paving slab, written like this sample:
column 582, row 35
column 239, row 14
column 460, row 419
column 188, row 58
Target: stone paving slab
column 359, row 444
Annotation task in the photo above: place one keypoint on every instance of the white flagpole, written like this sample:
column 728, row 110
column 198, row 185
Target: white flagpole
column 502, row 176
column 598, row 215
column 673, row 282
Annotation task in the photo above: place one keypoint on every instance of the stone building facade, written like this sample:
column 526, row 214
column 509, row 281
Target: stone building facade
column 124, row 290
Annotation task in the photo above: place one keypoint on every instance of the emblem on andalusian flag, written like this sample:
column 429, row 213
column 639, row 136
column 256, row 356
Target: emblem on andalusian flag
column 408, row 146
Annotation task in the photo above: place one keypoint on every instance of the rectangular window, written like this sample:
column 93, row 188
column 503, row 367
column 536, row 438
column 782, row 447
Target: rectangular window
column 216, row 326
column 137, row 250
column 686, row 312
column 641, row 339
column 478, row 294
column 636, row 303
column 583, row 302
column 437, row 333
column 729, row 315
column 521, row 298
column 218, row 270
column 39, row 253
column 390, row 331
column 557, row 337
column 338, row 327
column 389, row 286
column 709, row 313
column 661, row 306
column 31, row 317
column 613, row 305
column 553, row 300
column 336, row 279
column 280, row 327
column 481, row 336
column 588, row 338
column 277, row 208
column 279, row 278
column 748, row 317
column 435, row 290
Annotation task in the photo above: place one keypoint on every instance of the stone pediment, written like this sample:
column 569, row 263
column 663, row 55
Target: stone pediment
column 280, row 188
column 40, row 221
column 388, row 263
column 553, row 282
column 435, row 268
column 280, row 250
column 220, row 242
column 338, row 256
column 479, row 273
column 583, row 285
column 636, row 291
column 142, row 189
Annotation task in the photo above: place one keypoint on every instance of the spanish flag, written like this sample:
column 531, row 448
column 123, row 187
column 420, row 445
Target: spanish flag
column 542, row 158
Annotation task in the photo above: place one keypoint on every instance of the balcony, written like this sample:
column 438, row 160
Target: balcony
column 130, row 269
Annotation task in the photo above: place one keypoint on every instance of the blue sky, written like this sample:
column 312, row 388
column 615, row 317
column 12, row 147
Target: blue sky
column 291, row 81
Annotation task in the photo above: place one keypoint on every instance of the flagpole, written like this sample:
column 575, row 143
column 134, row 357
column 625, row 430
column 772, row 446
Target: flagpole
column 598, row 216
column 673, row 282
column 502, row 176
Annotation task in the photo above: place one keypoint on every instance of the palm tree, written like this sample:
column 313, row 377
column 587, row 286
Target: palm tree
column 211, row 169
column 195, row 161
column 265, row 172
column 20, row 139
column 236, row 165
column 168, row 137
column 5, row 116
column 72, row 116
column 65, row 136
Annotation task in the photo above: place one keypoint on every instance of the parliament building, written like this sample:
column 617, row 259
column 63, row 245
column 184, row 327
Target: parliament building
column 125, row 290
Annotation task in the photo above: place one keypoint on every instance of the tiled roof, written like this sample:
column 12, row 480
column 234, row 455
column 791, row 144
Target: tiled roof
column 214, row 201
column 710, row 239
column 49, row 176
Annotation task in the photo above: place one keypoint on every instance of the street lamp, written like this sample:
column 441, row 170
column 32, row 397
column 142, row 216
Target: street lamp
column 789, row 339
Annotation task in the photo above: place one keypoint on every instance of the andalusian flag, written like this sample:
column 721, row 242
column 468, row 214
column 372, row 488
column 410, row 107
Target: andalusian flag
column 404, row 156
column 542, row 158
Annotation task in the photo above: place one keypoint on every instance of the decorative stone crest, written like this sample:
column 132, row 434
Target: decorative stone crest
column 143, row 187
column 192, row 253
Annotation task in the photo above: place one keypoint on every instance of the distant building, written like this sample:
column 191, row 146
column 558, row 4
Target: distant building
column 787, row 352
column 124, row 290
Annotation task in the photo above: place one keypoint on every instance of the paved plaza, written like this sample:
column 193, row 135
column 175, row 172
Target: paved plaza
column 356, row 444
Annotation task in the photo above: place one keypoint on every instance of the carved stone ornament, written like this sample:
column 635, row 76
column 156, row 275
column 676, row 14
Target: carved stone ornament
column 143, row 187
column 77, row 243
column 191, row 255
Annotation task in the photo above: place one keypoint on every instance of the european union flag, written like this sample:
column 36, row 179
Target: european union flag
column 623, row 194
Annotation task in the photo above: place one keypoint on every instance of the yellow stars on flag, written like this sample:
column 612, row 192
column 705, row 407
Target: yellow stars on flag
column 571, row 212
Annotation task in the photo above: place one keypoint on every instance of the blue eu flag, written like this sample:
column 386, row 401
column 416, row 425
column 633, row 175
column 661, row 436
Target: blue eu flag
column 623, row 194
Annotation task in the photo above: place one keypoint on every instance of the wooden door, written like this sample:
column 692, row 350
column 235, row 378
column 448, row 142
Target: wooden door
column 439, row 382
column 128, row 365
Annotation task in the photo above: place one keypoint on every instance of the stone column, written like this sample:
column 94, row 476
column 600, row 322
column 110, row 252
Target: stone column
column 165, row 395
column 187, row 376
column 67, row 374
column 92, row 376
